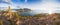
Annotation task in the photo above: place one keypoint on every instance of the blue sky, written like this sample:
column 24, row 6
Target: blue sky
column 48, row 5
column 21, row 1
column 58, row 1
column 28, row 1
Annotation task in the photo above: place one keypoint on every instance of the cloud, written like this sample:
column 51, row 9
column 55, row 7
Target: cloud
column 45, row 5
column 7, row 0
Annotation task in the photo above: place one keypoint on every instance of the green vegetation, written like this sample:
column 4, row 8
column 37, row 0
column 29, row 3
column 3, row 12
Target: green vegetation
column 1, row 22
column 16, row 15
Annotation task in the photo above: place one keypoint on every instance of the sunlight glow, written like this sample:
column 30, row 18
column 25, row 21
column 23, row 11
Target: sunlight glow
column 50, row 13
column 25, row 1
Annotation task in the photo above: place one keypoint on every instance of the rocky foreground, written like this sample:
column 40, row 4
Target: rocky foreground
column 40, row 19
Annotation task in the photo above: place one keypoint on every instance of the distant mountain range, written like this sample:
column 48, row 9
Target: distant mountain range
column 25, row 12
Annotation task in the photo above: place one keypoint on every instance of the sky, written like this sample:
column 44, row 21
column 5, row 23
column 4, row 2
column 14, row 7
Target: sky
column 47, row 5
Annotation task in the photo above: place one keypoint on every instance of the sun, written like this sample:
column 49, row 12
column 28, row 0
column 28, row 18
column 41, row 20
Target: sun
column 50, row 13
